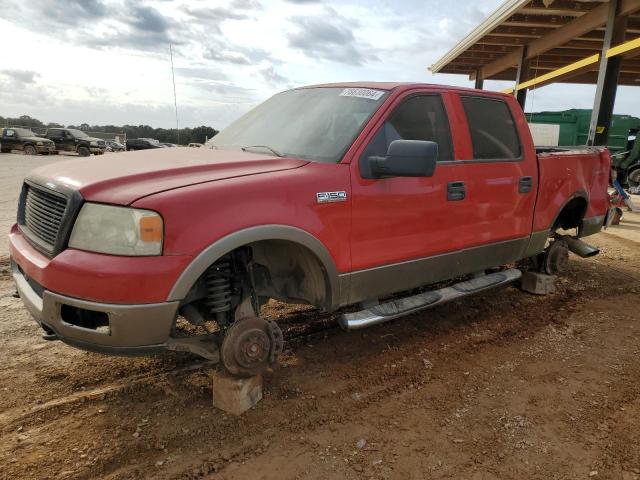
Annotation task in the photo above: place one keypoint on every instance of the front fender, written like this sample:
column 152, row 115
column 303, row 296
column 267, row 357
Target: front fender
column 255, row 234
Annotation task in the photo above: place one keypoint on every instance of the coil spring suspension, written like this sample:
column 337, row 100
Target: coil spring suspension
column 218, row 283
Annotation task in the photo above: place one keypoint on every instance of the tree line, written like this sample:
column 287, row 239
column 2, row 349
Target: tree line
column 183, row 136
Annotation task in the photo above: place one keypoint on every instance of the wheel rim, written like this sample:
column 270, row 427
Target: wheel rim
column 29, row 150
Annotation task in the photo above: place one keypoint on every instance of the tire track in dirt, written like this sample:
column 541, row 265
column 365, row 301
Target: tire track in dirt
column 375, row 384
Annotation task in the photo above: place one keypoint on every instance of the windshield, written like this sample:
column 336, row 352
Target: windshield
column 24, row 132
column 77, row 133
column 310, row 123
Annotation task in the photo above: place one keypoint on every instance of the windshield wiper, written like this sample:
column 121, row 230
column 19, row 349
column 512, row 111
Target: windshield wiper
column 266, row 147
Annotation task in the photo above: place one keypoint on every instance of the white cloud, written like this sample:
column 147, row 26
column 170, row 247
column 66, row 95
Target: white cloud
column 109, row 62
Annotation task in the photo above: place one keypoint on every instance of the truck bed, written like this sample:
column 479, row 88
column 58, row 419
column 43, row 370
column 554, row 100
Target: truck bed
column 556, row 149
column 567, row 173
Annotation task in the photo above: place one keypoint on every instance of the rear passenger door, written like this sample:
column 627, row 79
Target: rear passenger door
column 501, row 175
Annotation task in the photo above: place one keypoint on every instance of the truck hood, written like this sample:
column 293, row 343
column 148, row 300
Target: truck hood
column 126, row 177
column 36, row 139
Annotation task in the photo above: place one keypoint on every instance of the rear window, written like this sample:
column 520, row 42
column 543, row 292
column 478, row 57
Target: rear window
column 492, row 128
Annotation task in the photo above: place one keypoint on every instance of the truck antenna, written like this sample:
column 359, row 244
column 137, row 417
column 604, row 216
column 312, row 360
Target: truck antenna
column 175, row 98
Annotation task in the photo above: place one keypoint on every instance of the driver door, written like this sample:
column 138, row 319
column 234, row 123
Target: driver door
column 9, row 139
column 400, row 221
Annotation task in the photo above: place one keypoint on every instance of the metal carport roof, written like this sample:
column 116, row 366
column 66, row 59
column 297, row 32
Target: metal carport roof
column 556, row 33
column 537, row 42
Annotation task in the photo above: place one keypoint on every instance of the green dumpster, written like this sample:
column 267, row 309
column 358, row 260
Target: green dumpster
column 570, row 128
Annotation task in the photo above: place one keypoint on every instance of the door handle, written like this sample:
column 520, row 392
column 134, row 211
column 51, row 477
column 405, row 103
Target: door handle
column 456, row 191
column 525, row 185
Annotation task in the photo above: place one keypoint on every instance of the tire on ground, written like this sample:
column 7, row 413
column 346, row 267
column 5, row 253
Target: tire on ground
column 633, row 177
column 30, row 150
column 83, row 151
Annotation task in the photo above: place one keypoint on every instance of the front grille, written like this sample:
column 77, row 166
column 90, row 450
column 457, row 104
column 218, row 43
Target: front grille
column 42, row 215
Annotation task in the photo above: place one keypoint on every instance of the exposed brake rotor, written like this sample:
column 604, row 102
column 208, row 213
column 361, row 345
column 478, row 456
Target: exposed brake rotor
column 556, row 258
column 250, row 345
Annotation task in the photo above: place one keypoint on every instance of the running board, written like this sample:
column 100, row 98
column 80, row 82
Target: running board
column 403, row 306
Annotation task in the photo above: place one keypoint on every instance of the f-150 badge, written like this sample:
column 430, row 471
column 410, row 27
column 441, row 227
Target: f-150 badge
column 330, row 197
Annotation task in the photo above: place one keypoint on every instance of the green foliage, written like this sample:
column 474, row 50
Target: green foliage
column 165, row 135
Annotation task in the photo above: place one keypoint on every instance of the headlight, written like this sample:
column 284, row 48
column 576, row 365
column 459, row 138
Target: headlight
column 117, row 230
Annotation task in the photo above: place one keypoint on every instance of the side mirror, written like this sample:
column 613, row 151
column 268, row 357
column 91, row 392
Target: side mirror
column 405, row 158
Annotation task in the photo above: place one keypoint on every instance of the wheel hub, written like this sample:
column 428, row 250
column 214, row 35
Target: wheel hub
column 250, row 346
column 556, row 260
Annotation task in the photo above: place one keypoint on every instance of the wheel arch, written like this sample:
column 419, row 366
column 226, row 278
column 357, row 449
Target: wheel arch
column 309, row 252
column 572, row 212
column 29, row 144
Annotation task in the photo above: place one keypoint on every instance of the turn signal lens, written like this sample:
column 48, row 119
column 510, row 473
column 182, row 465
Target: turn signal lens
column 151, row 229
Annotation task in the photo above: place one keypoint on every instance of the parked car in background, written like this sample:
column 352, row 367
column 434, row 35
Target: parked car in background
column 113, row 146
column 195, row 145
column 25, row 140
column 73, row 140
column 143, row 144
column 168, row 145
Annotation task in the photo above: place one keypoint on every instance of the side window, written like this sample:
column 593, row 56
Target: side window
column 55, row 134
column 493, row 132
column 417, row 118
column 9, row 133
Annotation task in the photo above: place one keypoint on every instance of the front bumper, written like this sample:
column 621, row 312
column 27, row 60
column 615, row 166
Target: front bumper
column 45, row 148
column 127, row 329
column 99, row 277
column 97, row 150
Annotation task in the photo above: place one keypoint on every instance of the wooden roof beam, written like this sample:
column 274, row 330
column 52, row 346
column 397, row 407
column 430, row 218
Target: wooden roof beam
column 627, row 49
column 591, row 77
column 543, row 68
column 562, row 36
column 566, row 72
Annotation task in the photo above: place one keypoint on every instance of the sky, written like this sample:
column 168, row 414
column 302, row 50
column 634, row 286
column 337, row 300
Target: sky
column 107, row 61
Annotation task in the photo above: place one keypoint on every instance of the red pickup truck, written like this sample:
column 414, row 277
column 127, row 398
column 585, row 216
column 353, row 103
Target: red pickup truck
column 331, row 195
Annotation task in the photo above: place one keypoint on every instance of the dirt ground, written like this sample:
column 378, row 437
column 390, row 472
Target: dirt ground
column 503, row 385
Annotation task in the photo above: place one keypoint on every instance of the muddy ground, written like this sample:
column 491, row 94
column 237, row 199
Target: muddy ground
column 502, row 385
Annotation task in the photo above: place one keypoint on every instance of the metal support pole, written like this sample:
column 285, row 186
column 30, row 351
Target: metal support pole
column 479, row 81
column 607, row 83
column 522, row 76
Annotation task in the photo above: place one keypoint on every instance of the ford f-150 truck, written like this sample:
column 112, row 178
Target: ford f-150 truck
column 330, row 195
column 74, row 140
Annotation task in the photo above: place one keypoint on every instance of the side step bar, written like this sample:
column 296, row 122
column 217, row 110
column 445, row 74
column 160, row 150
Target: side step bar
column 403, row 306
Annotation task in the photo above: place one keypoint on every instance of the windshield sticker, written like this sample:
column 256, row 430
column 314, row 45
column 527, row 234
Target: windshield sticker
column 362, row 93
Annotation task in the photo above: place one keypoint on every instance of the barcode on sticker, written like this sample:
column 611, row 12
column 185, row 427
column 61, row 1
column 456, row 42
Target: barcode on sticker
column 362, row 93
